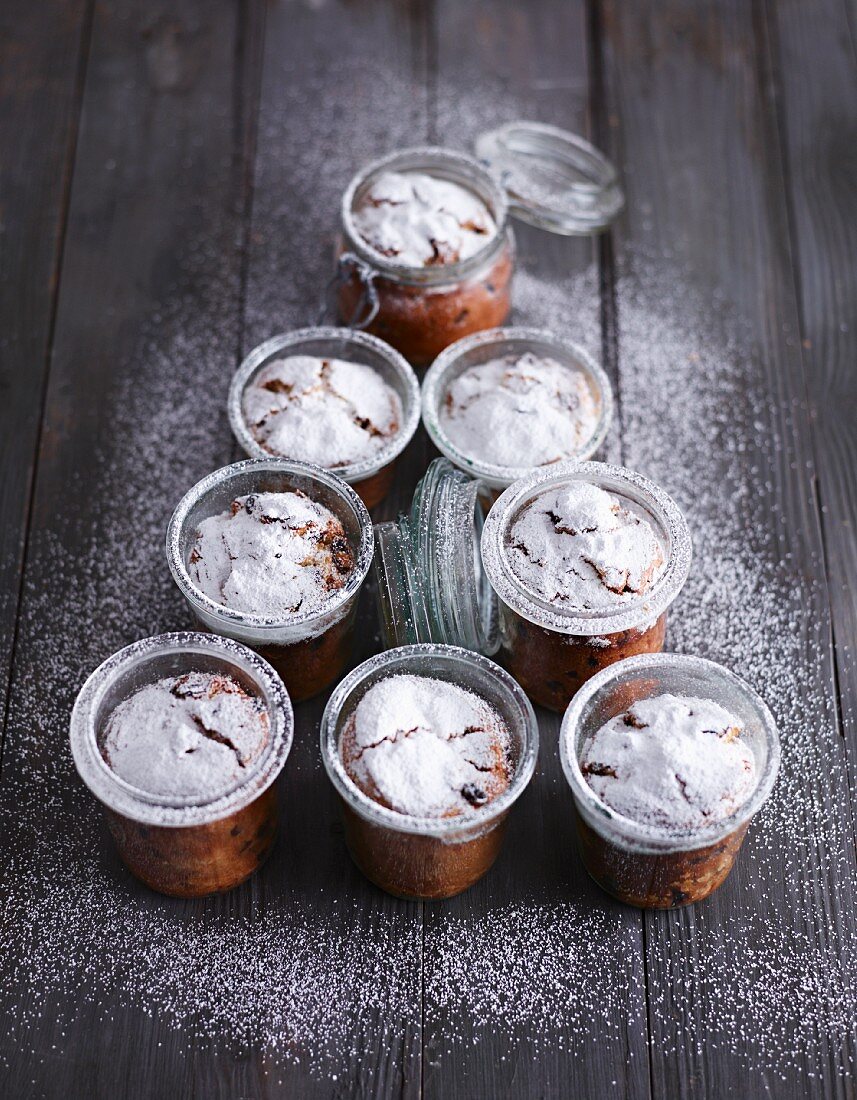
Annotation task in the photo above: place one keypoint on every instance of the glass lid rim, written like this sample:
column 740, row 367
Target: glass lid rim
column 550, row 216
column 644, row 609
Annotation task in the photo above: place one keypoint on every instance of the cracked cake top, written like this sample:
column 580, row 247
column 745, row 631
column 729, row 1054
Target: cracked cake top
column 519, row 410
column 185, row 736
column 423, row 220
column 272, row 554
column 327, row 411
column 426, row 747
column 671, row 761
column 584, row 548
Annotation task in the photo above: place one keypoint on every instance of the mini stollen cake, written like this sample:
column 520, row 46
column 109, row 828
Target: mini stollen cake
column 680, row 772
column 519, row 411
column 284, row 557
column 186, row 744
column 675, row 762
column 585, row 559
column 423, row 220
column 425, row 749
column 331, row 412
column 426, row 256
column 187, row 736
column 272, row 554
column 580, row 546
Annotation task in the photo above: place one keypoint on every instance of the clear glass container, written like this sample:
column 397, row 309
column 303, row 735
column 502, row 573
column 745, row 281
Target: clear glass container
column 185, row 847
column 310, row 649
column 428, row 857
column 430, row 583
column 481, row 348
column 371, row 477
column 420, row 310
column 443, row 576
column 643, row 864
column 552, row 649
column 540, row 174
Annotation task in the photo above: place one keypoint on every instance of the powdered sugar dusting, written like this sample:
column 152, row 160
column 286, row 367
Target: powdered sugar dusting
column 426, row 747
column 519, row 411
column 774, row 987
column 185, row 736
column 328, row 411
column 671, row 761
column 423, row 220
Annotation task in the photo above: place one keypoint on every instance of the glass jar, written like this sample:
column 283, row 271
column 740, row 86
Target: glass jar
column 552, row 649
column 498, row 344
column 643, row 864
column 430, row 583
column 442, row 575
column 310, row 649
column 185, row 847
column 422, row 309
column 541, row 174
column 433, row 857
column 371, row 477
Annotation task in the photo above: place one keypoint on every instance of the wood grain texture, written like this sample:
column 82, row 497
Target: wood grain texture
column 150, row 278
column 43, row 50
column 818, row 121
column 688, row 87
column 341, row 85
column 215, row 142
column 496, row 62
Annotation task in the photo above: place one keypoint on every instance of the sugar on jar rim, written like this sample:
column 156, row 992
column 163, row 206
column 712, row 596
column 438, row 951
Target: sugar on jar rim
column 454, row 360
column 703, row 679
column 406, row 386
column 264, row 628
column 642, row 494
column 175, row 811
column 402, row 660
column 444, row 164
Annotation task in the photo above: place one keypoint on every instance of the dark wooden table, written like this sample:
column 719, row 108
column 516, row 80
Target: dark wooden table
column 168, row 197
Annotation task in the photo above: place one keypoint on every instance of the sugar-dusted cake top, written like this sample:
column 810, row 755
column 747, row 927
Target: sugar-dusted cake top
column 272, row 554
column 426, row 747
column 423, row 220
column 185, row 736
column 583, row 548
column 519, row 410
column 328, row 411
column 671, row 761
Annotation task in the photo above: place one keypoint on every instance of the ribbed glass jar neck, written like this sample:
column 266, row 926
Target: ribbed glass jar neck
column 430, row 582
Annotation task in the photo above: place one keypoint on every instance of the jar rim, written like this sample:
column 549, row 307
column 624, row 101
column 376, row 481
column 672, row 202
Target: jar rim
column 170, row 811
column 463, row 169
column 442, row 371
column 240, row 620
column 351, row 472
column 630, row 614
column 441, row 827
column 639, row 836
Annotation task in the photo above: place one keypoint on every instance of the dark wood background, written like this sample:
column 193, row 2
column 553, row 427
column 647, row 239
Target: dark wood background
column 162, row 179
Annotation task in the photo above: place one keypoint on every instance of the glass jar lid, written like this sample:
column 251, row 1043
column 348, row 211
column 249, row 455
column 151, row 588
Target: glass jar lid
column 553, row 179
column 431, row 586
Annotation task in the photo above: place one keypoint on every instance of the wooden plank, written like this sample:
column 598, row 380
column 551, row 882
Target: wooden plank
column 145, row 341
column 341, row 84
column 518, row 1002
column 42, row 58
column 815, row 117
column 741, row 987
